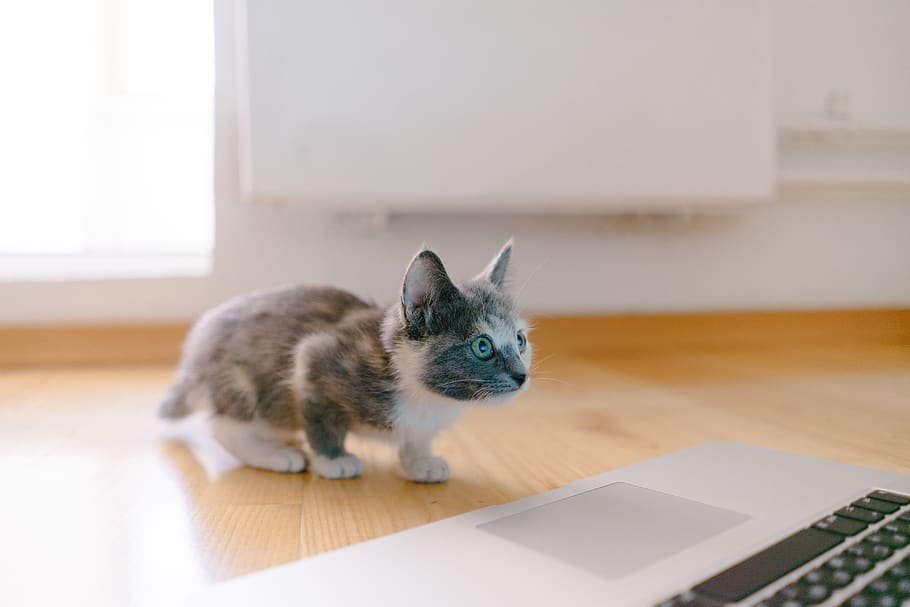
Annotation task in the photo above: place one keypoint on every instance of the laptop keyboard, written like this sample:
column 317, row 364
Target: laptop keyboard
column 867, row 544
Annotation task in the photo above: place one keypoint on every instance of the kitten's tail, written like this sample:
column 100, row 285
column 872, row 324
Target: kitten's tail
column 176, row 403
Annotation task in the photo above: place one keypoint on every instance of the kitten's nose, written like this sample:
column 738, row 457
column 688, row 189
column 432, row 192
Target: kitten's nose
column 520, row 378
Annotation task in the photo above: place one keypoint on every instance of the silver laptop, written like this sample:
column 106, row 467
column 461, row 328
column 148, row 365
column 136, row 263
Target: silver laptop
column 719, row 524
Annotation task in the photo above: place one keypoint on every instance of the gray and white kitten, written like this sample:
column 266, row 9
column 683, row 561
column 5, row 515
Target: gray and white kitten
column 319, row 361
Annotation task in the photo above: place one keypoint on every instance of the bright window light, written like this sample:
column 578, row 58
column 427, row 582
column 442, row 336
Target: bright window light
column 106, row 128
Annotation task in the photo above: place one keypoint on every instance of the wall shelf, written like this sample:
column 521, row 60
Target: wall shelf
column 849, row 156
column 845, row 133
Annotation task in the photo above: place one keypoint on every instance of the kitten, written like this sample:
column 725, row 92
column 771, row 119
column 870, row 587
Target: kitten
column 273, row 363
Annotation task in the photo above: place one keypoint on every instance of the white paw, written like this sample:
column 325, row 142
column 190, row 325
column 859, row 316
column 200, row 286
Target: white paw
column 426, row 469
column 345, row 466
column 284, row 459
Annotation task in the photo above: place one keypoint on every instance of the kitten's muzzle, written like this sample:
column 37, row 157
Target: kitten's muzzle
column 519, row 378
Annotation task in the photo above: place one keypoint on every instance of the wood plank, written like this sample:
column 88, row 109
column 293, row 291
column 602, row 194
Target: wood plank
column 131, row 344
column 660, row 332
column 90, row 344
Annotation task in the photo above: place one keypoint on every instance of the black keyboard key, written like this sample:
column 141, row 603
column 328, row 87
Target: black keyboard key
column 896, row 540
column 902, row 587
column 774, row 601
column 879, row 586
column 839, row 579
column 758, row 571
column 859, row 601
column 899, row 571
column 870, row 503
column 688, row 599
column 882, row 600
column 804, row 594
column 871, row 600
column 815, row 594
column 840, row 525
column 854, row 565
column 880, row 553
column 859, row 565
column 860, row 514
column 902, row 527
column 833, row 578
column 894, row 498
column 869, row 550
column 886, row 538
column 882, row 593
column 790, row 592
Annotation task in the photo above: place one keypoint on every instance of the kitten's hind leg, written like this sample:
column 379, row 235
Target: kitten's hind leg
column 256, row 445
column 326, row 429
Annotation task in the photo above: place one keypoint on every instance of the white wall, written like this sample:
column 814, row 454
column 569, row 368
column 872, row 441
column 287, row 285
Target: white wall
column 809, row 249
column 854, row 48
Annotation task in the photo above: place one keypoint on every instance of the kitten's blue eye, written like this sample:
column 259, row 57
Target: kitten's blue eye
column 522, row 340
column 482, row 348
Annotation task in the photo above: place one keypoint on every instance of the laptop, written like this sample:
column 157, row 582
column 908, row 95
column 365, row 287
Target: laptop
column 718, row 524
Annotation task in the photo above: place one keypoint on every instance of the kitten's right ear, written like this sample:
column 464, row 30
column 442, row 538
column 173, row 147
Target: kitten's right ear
column 495, row 272
column 426, row 290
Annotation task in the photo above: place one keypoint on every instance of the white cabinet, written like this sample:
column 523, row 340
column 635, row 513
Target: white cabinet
column 553, row 105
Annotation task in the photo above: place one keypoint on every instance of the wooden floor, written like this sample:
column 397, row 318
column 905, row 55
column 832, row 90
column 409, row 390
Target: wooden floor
column 104, row 505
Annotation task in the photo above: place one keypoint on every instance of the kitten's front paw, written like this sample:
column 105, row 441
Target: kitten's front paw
column 282, row 459
column 344, row 466
column 431, row 469
column 295, row 460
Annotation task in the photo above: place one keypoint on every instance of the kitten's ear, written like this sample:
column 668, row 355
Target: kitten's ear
column 495, row 272
column 427, row 290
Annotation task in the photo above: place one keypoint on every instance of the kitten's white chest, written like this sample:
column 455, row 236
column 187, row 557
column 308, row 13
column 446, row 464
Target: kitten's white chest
column 424, row 417
column 416, row 416
column 414, row 421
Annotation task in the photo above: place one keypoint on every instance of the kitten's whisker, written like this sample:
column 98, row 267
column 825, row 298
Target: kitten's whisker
column 536, row 364
column 547, row 357
column 553, row 379
column 528, row 279
column 458, row 382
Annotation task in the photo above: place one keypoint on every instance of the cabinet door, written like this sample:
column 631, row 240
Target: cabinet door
column 554, row 105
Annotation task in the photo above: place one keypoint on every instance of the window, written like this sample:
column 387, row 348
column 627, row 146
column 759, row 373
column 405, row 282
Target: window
column 106, row 138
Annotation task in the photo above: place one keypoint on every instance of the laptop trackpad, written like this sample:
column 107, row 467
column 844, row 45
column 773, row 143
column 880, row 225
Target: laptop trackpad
column 616, row 529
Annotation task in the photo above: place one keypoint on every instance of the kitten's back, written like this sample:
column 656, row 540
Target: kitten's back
column 255, row 332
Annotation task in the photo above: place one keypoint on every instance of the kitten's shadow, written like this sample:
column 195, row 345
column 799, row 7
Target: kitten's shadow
column 246, row 519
